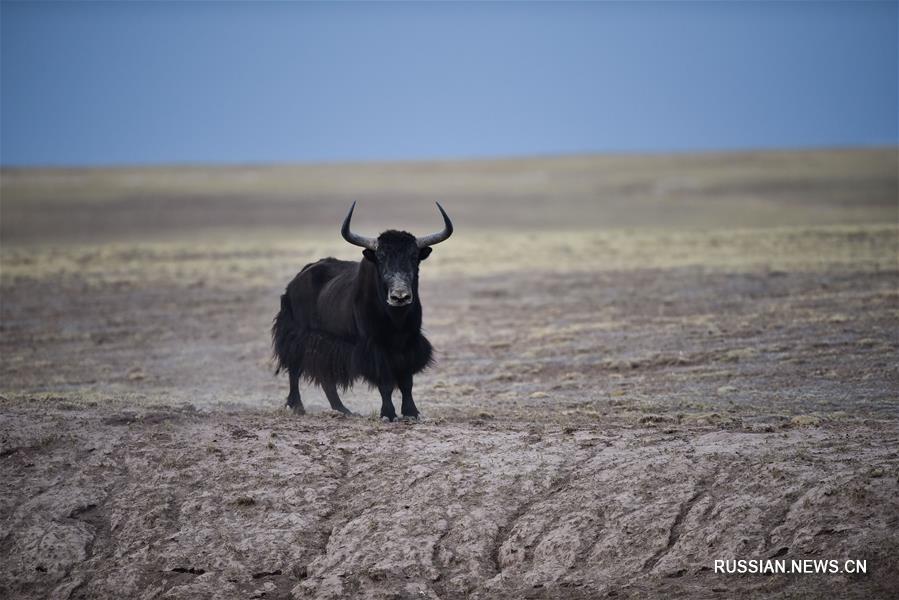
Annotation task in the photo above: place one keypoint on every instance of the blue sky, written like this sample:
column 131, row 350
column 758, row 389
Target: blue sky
column 136, row 83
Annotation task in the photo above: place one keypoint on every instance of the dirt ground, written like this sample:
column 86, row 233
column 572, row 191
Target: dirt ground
column 645, row 364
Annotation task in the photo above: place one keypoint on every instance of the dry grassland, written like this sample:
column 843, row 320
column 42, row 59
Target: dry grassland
column 645, row 363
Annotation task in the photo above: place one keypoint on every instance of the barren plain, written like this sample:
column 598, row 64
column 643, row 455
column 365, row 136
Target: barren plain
column 645, row 364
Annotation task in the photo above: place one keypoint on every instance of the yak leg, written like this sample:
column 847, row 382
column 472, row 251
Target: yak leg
column 330, row 390
column 387, row 410
column 408, row 409
column 293, row 398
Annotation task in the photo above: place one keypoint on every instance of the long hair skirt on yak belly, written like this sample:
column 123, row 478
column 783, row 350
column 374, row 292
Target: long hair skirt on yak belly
column 344, row 320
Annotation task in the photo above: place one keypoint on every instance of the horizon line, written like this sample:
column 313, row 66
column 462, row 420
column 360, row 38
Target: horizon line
column 189, row 164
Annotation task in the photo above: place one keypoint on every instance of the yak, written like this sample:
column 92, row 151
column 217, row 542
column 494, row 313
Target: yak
column 344, row 320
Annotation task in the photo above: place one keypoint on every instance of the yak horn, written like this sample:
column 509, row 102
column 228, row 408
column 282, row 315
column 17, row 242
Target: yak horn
column 436, row 238
column 355, row 239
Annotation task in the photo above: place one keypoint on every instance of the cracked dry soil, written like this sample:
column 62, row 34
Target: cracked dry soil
column 184, row 504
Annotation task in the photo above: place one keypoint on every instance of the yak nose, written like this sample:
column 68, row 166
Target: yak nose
column 400, row 297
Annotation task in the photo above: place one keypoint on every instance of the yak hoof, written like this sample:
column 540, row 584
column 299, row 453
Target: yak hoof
column 411, row 418
column 387, row 419
column 297, row 410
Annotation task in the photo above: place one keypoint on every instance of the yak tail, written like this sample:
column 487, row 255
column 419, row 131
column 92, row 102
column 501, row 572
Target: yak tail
column 286, row 338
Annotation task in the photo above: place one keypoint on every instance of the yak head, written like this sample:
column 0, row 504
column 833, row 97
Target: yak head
column 397, row 254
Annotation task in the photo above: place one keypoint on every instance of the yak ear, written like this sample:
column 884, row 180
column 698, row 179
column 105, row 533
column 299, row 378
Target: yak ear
column 424, row 253
column 370, row 255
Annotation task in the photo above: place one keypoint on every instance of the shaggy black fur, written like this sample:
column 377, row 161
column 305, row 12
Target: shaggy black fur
column 335, row 325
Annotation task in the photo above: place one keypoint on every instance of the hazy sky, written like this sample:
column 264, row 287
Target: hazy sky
column 94, row 83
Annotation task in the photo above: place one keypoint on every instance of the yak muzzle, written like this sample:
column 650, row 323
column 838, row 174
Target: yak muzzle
column 399, row 297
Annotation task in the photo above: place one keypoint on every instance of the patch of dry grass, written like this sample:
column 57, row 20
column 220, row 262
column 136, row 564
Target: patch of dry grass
column 258, row 261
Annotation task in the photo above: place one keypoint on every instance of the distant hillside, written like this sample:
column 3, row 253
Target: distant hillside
column 738, row 189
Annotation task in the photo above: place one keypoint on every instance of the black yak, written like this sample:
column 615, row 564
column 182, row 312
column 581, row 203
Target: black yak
column 342, row 320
